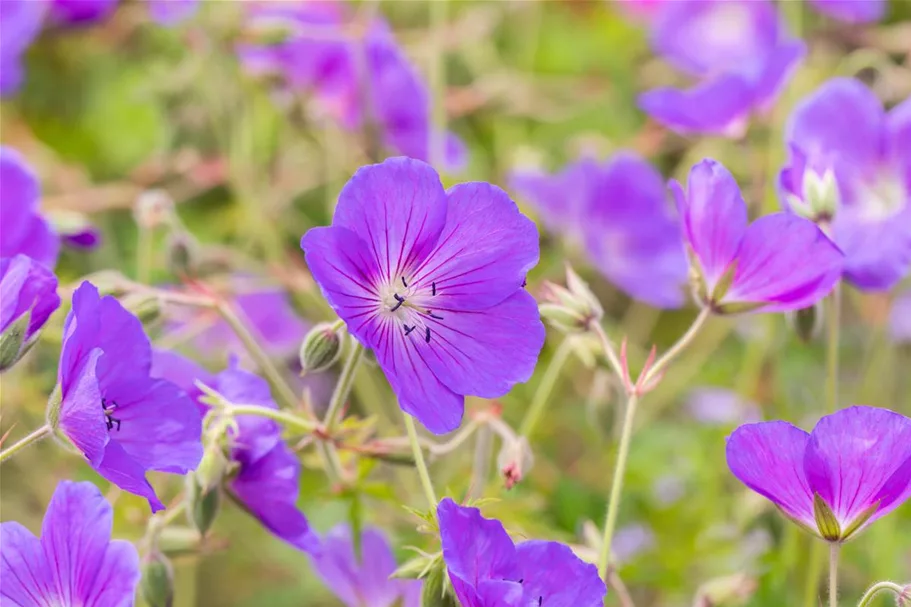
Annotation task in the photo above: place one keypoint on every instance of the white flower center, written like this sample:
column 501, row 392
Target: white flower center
column 883, row 197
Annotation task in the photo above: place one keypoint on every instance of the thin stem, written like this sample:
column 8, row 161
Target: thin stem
column 285, row 394
column 609, row 350
column 343, row 387
column 158, row 522
column 283, row 417
column 144, row 249
column 34, row 437
column 546, row 387
column 613, row 504
column 682, row 343
column 834, row 321
column 867, row 598
column 419, row 462
column 480, row 464
column 834, row 547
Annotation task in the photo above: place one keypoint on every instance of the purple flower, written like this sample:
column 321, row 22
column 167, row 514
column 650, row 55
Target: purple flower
column 172, row 12
column 25, row 231
column 852, row 11
column 183, row 373
column 900, row 318
column 74, row 562
column 123, row 420
column 20, row 24
column 620, row 211
column 719, row 407
column 487, row 570
column 28, row 296
column 850, row 166
column 76, row 12
column 740, row 51
column 854, row 468
column 780, row 262
column 364, row 582
column 431, row 280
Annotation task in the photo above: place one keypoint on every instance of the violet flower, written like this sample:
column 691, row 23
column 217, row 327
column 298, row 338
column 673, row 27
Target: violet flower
column 432, row 281
column 74, row 562
column 183, row 373
column 900, row 318
column 780, row 262
column 364, row 582
column 714, row 406
column 850, row 168
column 25, row 230
column 28, row 297
column 854, row 468
column 852, row 11
column 20, row 24
column 76, row 12
column 123, row 420
column 742, row 54
column 487, row 570
column 619, row 210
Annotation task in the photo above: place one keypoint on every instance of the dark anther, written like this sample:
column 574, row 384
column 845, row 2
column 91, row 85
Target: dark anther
column 400, row 301
column 409, row 329
column 433, row 288
column 524, row 282
column 427, row 335
column 540, row 600
column 432, row 315
column 404, row 283
column 109, row 420
column 522, row 580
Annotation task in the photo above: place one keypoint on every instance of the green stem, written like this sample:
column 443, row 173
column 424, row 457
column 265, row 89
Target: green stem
column 613, row 504
column 875, row 589
column 34, row 437
column 545, row 388
column 815, row 566
column 834, row 548
column 420, row 463
column 834, row 321
column 283, row 417
column 144, row 249
column 343, row 387
column 158, row 522
column 682, row 343
column 285, row 394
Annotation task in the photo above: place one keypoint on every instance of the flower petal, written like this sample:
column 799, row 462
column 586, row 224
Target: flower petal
column 25, row 231
column 183, row 373
column 553, row 572
column 852, row 11
column 860, row 456
column 768, row 458
column 720, row 106
column 776, row 72
column 785, row 261
column 128, row 474
column 561, row 200
column 26, row 286
column 877, row 253
column 898, row 133
column 81, row 412
column 475, row 548
column 117, row 577
column 398, row 208
column 26, row 576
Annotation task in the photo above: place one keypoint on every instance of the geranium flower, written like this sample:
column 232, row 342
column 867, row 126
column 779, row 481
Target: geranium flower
column 25, row 230
column 20, row 24
column 28, row 297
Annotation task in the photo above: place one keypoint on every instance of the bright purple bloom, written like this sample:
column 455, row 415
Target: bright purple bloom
column 123, row 420
column 852, row 11
column 855, row 466
column 76, row 12
column 74, row 562
column 432, row 281
column 488, row 570
column 330, row 66
column 26, row 288
column 20, row 24
column 841, row 131
column 364, row 582
column 900, row 318
column 620, row 211
column 738, row 48
column 715, row 406
column 780, row 262
column 25, row 231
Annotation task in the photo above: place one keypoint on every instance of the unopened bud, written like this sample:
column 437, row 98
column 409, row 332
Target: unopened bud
column 147, row 307
column 211, row 469
column 515, row 460
column 806, row 322
column 434, row 592
column 157, row 585
column 571, row 308
column 729, row 590
column 183, row 252
column 321, row 348
column 819, row 198
column 13, row 343
column 153, row 208
column 203, row 505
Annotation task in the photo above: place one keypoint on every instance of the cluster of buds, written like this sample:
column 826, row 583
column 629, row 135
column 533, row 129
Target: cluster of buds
column 573, row 308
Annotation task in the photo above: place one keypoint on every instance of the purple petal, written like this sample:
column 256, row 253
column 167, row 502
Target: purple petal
column 118, row 467
column 877, row 252
column 87, row 238
column 475, row 548
column 858, row 457
column 560, row 200
column 776, row 72
column 27, row 579
column 898, row 134
column 81, row 418
column 398, row 208
column 20, row 24
column 720, row 106
column 786, row 262
column 768, row 458
column 118, row 575
column 26, row 286
column 25, row 231
column 551, row 571
column 714, row 217
column 172, row 12
column 78, row 12
column 852, row 11
column 257, row 435
column 182, row 372
column 900, row 318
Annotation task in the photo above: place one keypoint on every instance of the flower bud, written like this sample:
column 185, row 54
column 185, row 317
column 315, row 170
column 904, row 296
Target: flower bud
column 157, row 585
column 321, row 348
column 820, row 196
column 435, row 593
column 211, row 469
column 13, row 343
column 729, row 590
column 515, row 460
column 29, row 298
column 806, row 322
column 202, row 505
column 571, row 308
column 147, row 307
column 152, row 209
column 183, row 253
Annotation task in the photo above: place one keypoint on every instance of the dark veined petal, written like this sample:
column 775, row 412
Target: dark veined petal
column 786, row 262
column 860, row 457
column 720, row 106
column 552, row 571
column 768, row 457
column 852, row 11
column 27, row 578
column 118, row 576
column 475, row 548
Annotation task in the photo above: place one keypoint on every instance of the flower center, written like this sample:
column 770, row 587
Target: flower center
column 883, row 197
column 410, row 305
column 108, row 408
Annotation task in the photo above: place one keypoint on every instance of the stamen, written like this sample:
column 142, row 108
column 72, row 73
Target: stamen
column 432, row 315
column 433, row 288
column 427, row 336
column 400, row 301
column 540, row 600
column 404, row 283
column 408, row 329
column 109, row 419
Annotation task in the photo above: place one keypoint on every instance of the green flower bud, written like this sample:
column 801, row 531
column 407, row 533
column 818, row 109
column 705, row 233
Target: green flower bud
column 806, row 322
column 572, row 308
column 321, row 348
column 157, row 585
column 436, row 591
column 211, row 469
column 183, row 253
column 13, row 344
column 202, row 505
column 147, row 307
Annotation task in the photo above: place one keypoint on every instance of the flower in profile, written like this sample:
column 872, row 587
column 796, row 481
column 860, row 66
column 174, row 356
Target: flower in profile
column 739, row 49
column 852, row 11
column 853, row 468
column 363, row 581
column 432, row 281
column 124, row 421
column 850, row 169
column 74, row 562
column 619, row 211
column 25, row 230
column 28, row 291
column 487, row 568
column 20, row 24
column 780, row 262
column 900, row 318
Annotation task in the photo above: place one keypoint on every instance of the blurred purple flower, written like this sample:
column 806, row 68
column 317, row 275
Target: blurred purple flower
column 740, row 51
column 25, row 231
column 74, row 562
column 172, row 12
column 486, row 568
column 852, row 11
column 319, row 55
column 719, row 407
column 75, row 12
column 854, row 468
column 631, row 541
column 620, row 211
column 183, row 373
column 20, row 24
column 778, row 263
column 841, row 131
column 123, row 420
column 26, row 288
column 364, row 582
column 432, row 281
column 900, row 318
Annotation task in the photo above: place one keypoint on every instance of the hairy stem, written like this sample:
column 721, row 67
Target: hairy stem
column 343, row 387
column 834, row 548
column 613, row 503
column 420, row 463
column 867, row 599
column 283, row 417
column 545, row 388
column 18, row 446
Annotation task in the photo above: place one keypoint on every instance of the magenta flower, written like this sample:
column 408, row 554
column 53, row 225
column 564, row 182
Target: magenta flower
column 487, row 569
column 28, row 297
column 620, row 211
column 780, row 262
column 850, row 167
column 432, row 281
column 74, row 562
column 20, row 24
column 854, row 468
column 123, row 420
column 74, row 12
column 852, row 11
column 738, row 48
column 900, row 318
column 25, row 230
column 364, row 582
